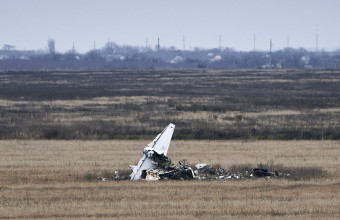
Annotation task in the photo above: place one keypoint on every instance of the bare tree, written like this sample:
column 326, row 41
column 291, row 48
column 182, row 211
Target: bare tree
column 8, row 47
column 51, row 46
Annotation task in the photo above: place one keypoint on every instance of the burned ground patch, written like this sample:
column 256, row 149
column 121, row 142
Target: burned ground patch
column 204, row 104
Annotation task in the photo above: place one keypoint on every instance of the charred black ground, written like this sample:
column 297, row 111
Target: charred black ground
column 204, row 104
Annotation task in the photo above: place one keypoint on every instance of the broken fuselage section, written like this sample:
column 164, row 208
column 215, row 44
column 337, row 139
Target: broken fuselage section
column 153, row 154
column 155, row 165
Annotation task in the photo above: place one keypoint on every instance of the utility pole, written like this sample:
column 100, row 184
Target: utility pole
column 254, row 56
column 317, row 40
column 270, row 54
column 183, row 43
column 158, row 49
column 220, row 42
column 108, row 45
column 288, row 41
column 94, row 45
column 73, row 47
column 146, row 43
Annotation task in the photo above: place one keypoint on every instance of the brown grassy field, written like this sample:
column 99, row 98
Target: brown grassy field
column 241, row 110
column 47, row 180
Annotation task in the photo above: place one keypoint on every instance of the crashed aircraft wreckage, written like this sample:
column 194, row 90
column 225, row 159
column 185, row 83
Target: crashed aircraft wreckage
column 155, row 165
column 155, row 151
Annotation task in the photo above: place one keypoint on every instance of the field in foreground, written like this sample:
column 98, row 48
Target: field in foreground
column 47, row 179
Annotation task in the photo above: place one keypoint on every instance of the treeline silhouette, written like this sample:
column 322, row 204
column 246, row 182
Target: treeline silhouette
column 113, row 56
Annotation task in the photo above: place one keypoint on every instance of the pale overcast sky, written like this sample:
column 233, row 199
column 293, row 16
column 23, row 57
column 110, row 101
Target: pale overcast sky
column 27, row 24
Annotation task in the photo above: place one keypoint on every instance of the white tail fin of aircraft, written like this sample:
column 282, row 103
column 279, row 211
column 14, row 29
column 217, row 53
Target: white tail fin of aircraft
column 159, row 145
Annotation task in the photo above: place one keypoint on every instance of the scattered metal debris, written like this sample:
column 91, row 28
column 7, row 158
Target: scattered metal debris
column 101, row 178
column 258, row 172
column 116, row 176
column 165, row 170
column 155, row 165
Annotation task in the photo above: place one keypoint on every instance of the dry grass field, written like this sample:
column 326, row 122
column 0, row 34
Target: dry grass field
column 48, row 180
column 60, row 130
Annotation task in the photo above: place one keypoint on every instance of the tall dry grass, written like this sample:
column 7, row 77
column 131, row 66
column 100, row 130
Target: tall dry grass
column 46, row 179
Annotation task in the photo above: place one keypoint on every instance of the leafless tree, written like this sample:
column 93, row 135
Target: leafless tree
column 51, row 46
column 8, row 47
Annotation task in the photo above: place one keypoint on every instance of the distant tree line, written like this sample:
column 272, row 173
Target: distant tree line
column 113, row 56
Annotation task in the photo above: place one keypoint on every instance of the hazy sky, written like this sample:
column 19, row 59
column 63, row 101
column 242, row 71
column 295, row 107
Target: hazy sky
column 27, row 24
